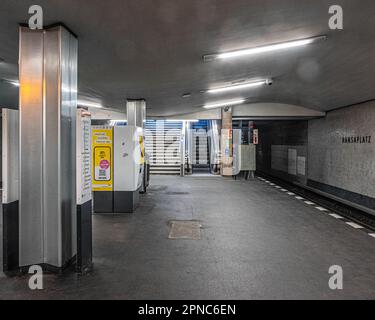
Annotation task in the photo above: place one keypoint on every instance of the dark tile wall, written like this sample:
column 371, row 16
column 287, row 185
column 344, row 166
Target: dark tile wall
column 281, row 136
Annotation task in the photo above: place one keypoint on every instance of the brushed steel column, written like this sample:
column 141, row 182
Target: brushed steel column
column 48, row 103
column 136, row 112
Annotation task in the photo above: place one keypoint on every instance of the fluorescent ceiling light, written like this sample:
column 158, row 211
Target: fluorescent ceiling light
column 89, row 104
column 263, row 49
column 239, row 86
column 224, row 104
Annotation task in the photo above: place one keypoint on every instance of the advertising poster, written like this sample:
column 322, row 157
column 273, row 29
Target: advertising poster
column 142, row 146
column 102, row 150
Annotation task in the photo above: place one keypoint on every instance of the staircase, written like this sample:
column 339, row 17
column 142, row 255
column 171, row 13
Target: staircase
column 163, row 139
column 200, row 147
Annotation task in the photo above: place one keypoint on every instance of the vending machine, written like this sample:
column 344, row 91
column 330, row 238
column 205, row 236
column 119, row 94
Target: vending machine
column 118, row 168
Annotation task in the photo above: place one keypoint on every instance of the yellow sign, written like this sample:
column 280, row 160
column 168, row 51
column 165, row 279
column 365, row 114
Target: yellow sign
column 102, row 149
column 142, row 145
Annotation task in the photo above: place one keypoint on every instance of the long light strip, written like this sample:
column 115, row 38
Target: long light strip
column 263, row 49
column 239, row 86
column 224, row 104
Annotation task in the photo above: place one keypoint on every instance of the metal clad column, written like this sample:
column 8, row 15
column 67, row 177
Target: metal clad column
column 136, row 112
column 31, row 146
column 48, row 102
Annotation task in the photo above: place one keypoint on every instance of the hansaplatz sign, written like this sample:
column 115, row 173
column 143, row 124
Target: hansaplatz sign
column 356, row 139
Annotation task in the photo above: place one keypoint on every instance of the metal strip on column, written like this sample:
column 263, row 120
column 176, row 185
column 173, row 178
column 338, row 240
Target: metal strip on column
column 136, row 112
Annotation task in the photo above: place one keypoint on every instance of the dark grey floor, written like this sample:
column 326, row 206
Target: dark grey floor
column 257, row 243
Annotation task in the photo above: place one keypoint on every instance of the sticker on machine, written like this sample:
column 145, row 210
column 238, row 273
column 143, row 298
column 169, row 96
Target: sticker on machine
column 102, row 163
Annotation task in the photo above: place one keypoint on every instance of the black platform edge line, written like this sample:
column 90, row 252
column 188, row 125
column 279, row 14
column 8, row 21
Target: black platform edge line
column 348, row 211
column 350, row 196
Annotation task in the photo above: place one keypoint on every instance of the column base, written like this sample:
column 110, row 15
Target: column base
column 47, row 268
column 10, row 237
column 84, row 237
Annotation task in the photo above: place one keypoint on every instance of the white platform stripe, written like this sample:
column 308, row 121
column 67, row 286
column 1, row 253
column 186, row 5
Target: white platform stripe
column 309, row 203
column 334, row 215
column 354, row 225
column 321, row 209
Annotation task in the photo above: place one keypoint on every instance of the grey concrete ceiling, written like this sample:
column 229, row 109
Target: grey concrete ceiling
column 153, row 49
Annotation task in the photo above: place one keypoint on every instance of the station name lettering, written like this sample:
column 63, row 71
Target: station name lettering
column 356, row 139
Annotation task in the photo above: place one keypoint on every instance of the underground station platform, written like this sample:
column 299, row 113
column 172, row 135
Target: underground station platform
column 254, row 242
column 212, row 152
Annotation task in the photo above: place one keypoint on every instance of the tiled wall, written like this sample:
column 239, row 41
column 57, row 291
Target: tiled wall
column 282, row 149
column 320, row 149
column 348, row 166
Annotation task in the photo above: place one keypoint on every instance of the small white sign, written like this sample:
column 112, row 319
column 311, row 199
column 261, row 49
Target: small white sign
column 292, row 161
column 255, row 136
column 84, row 193
column 301, row 166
